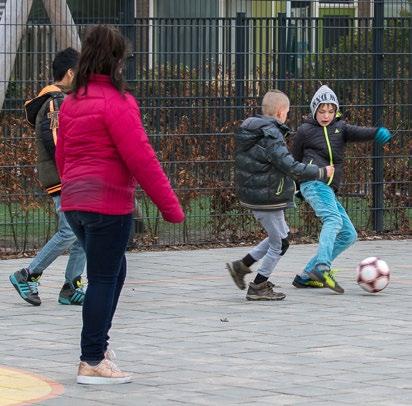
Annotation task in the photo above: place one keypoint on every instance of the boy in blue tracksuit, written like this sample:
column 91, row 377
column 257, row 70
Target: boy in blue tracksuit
column 321, row 140
column 265, row 170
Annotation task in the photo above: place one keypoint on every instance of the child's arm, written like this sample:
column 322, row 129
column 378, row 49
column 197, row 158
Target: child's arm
column 279, row 156
column 354, row 133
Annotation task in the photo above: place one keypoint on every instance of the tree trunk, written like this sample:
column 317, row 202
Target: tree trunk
column 63, row 24
column 12, row 25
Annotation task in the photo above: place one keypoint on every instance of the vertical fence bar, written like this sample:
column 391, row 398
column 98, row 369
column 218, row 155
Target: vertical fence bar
column 281, row 51
column 240, row 47
column 409, row 108
column 377, row 186
column 129, row 30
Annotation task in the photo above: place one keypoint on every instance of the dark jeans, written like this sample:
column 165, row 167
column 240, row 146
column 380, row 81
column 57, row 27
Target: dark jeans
column 104, row 239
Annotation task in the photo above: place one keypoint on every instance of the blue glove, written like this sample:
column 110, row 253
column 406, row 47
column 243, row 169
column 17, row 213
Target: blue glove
column 383, row 135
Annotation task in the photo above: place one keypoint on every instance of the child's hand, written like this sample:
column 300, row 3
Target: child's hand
column 383, row 135
column 330, row 170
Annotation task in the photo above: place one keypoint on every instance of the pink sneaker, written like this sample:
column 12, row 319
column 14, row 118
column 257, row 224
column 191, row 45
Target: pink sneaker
column 105, row 373
column 110, row 355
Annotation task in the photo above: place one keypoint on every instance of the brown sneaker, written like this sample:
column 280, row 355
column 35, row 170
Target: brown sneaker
column 238, row 270
column 263, row 291
column 105, row 373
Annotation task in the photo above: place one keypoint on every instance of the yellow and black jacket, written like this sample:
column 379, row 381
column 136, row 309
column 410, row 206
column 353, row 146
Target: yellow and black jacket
column 42, row 114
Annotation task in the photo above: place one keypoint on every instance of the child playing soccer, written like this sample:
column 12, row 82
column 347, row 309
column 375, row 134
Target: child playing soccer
column 264, row 172
column 321, row 140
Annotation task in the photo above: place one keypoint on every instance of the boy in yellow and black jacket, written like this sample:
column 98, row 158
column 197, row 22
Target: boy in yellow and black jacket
column 321, row 140
column 42, row 114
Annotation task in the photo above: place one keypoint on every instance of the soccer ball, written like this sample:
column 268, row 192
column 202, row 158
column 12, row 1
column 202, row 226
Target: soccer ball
column 372, row 274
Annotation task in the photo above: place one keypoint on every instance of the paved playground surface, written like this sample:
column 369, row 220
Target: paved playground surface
column 190, row 337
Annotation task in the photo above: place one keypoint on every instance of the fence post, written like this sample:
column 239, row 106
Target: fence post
column 409, row 114
column 129, row 30
column 281, row 51
column 377, row 185
column 240, row 48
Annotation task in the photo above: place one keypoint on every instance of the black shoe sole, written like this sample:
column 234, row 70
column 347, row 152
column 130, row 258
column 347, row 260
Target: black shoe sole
column 69, row 304
column 262, row 298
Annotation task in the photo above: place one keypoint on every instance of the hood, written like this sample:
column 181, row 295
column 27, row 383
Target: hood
column 33, row 106
column 258, row 122
column 250, row 130
column 323, row 95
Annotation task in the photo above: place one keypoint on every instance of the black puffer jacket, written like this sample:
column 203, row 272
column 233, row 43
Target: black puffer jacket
column 42, row 114
column 326, row 145
column 265, row 167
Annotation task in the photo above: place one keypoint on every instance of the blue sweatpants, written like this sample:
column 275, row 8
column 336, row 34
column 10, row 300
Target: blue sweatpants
column 338, row 232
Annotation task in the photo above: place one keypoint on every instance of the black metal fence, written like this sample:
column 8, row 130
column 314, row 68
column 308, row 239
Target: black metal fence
column 196, row 72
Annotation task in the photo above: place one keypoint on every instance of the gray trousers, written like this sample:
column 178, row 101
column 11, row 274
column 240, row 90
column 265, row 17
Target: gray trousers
column 269, row 249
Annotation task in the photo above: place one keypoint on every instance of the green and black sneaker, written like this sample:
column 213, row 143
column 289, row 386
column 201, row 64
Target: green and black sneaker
column 323, row 274
column 303, row 283
column 72, row 293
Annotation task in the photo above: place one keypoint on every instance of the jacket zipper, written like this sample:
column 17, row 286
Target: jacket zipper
column 280, row 187
column 325, row 133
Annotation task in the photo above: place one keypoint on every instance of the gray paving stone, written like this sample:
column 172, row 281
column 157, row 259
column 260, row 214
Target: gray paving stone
column 313, row 348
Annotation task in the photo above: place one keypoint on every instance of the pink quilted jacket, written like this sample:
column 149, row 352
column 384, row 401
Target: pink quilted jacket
column 103, row 151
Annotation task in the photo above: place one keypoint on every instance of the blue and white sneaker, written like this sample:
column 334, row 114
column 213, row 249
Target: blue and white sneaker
column 26, row 285
column 72, row 293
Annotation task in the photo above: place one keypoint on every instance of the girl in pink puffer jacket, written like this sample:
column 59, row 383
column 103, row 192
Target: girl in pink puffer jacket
column 102, row 153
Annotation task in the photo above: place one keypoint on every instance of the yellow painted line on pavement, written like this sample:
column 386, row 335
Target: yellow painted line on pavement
column 19, row 387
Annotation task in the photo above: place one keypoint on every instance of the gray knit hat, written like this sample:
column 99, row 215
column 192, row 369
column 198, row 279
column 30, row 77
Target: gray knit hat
column 323, row 95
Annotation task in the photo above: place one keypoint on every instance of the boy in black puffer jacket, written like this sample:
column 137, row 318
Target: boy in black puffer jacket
column 321, row 140
column 265, row 173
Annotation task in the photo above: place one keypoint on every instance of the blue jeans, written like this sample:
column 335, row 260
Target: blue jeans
column 104, row 239
column 64, row 239
column 273, row 221
column 338, row 232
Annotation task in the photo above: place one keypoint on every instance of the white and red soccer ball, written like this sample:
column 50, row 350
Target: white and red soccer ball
column 372, row 274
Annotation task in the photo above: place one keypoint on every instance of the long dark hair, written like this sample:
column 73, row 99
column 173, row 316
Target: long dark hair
column 104, row 52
